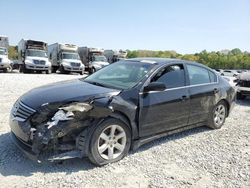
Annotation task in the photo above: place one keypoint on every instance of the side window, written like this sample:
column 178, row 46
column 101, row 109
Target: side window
column 172, row 76
column 213, row 77
column 198, row 75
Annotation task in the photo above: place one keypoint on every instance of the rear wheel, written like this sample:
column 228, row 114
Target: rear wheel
column 110, row 142
column 218, row 116
column 53, row 69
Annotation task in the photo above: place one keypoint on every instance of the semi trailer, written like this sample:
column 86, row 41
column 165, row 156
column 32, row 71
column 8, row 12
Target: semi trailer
column 32, row 56
column 65, row 58
column 5, row 63
column 115, row 55
column 92, row 58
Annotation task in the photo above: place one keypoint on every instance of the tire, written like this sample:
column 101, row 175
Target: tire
column 61, row 69
column 81, row 73
column 10, row 69
column 218, row 115
column 104, row 149
column 25, row 70
column 48, row 71
column 20, row 68
column 5, row 70
column 92, row 70
column 53, row 69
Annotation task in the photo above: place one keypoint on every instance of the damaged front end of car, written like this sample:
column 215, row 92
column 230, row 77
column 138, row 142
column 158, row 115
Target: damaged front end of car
column 58, row 133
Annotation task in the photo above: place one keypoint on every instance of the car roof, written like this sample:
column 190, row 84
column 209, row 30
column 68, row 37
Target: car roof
column 161, row 61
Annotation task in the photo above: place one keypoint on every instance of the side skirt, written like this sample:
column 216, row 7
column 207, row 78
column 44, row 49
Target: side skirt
column 137, row 143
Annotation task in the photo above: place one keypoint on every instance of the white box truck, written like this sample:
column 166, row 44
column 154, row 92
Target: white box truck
column 92, row 58
column 65, row 58
column 32, row 56
column 115, row 55
column 4, row 60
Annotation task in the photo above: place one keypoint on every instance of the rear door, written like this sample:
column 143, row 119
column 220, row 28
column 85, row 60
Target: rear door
column 165, row 110
column 203, row 90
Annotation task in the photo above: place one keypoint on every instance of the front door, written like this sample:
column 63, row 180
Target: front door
column 165, row 110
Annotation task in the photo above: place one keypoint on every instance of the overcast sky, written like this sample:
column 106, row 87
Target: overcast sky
column 184, row 26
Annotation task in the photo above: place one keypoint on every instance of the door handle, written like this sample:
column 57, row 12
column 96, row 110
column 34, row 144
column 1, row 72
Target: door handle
column 216, row 90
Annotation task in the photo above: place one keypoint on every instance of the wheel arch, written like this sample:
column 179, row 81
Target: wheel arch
column 124, row 118
column 227, row 105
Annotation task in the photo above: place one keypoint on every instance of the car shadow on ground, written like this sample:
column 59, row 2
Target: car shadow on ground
column 173, row 137
column 14, row 162
column 245, row 102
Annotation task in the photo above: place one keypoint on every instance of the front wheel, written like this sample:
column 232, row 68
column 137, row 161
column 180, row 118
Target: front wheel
column 110, row 142
column 218, row 116
column 48, row 71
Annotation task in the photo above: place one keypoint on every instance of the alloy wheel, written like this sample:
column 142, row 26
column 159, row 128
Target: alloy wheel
column 219, row 115
column 112, row 142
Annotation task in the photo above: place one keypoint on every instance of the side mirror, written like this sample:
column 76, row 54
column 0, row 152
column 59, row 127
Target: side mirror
column 155, row 86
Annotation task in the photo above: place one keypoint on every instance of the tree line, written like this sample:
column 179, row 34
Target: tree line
column 225, row 59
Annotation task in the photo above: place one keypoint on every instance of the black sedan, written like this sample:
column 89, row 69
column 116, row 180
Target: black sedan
column 119, row 108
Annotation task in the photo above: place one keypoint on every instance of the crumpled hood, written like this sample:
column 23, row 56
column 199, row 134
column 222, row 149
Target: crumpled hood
column 64, row 92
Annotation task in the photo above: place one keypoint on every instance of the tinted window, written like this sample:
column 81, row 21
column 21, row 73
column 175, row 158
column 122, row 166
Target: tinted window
column 213, row 77
column 172, row 76
column 198, row 75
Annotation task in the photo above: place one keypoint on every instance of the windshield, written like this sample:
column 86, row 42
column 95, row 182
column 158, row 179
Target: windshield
column 99, row 58
column 36, row 53
column 121, row 75
column 70, row 56
column 3, row 51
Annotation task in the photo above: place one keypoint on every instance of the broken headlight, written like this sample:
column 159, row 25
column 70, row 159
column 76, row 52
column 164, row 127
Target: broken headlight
column 67, row 113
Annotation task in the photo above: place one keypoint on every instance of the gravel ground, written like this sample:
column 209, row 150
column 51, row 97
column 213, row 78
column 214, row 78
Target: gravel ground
column 196, row 158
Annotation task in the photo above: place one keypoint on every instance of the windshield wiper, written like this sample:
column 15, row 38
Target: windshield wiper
column 95, row 83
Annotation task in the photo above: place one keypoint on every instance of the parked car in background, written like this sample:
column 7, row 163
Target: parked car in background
column 230, row 73
column 243, row 85
column 119, row 108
